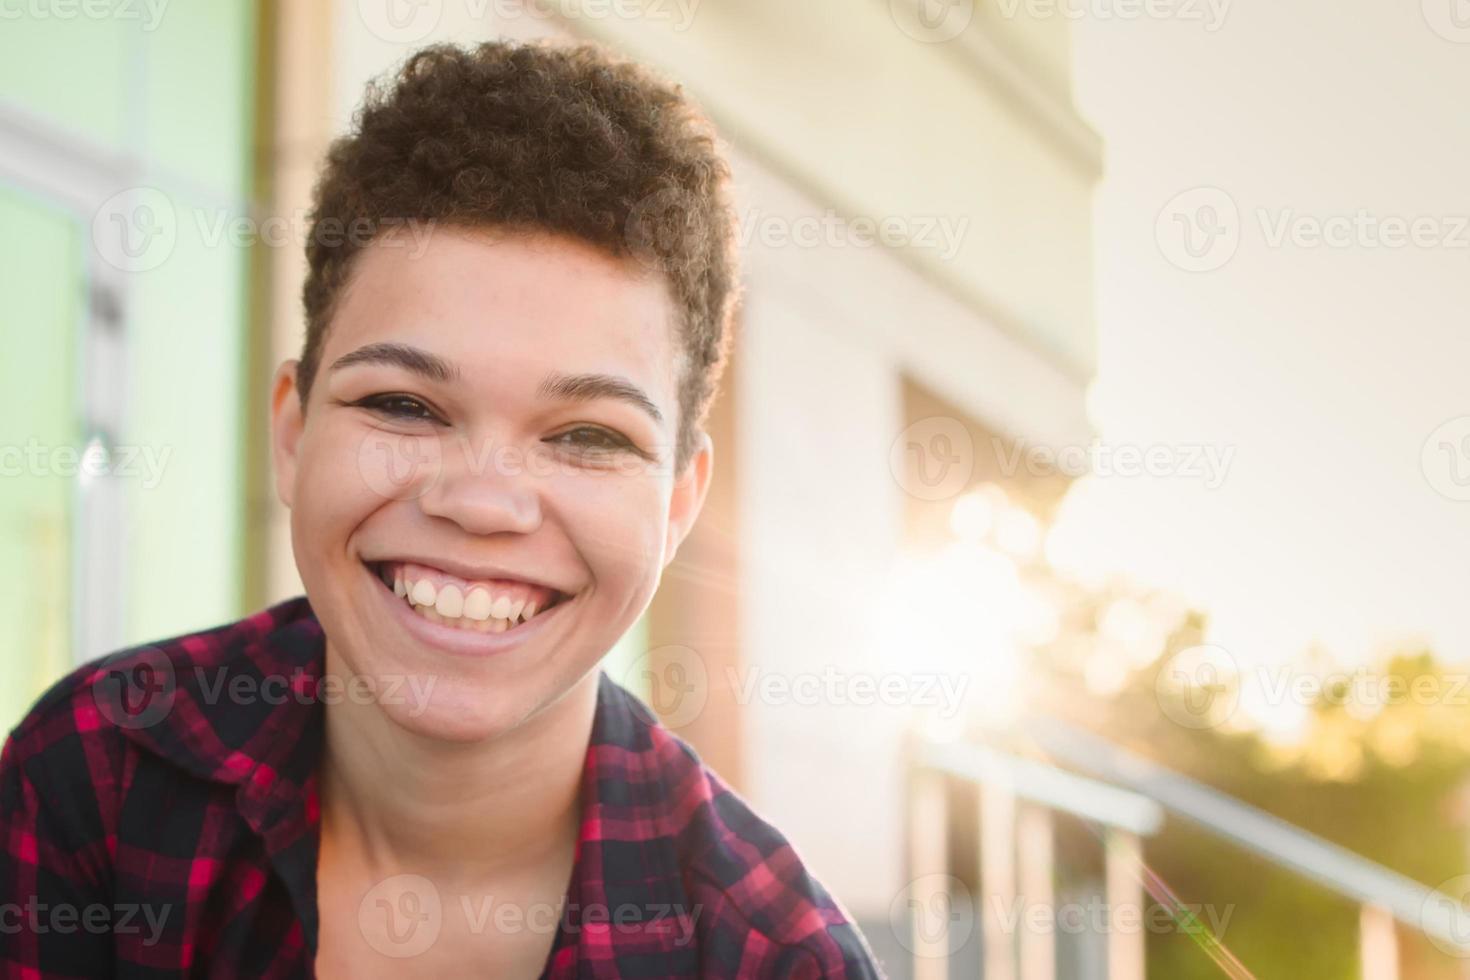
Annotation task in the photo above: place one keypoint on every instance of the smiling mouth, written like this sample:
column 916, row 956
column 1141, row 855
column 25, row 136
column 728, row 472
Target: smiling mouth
column 496, row 606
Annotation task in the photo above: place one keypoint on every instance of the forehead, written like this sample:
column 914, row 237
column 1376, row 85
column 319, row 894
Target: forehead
column 505, row 306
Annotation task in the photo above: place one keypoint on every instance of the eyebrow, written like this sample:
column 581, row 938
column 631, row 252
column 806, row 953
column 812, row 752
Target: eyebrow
column 589, row 387
column 568, row 387
column 409, row 358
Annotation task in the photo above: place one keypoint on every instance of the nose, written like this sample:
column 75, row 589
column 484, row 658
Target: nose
column 484, row 492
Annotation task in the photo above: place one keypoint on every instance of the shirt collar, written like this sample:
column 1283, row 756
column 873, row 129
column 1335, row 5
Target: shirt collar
column 237, row 705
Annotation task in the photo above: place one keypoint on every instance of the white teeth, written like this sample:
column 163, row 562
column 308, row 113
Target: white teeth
column 474, row 609
column 477, row 605
column 450, row 603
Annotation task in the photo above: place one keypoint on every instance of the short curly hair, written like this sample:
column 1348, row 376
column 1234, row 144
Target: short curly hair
column 547, row 138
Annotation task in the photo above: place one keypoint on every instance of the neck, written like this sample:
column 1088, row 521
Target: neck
column 413, row 804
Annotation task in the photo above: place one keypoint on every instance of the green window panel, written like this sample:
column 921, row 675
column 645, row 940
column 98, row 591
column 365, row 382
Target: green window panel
column 186, row 324
column 41, row 279
column 69, row 72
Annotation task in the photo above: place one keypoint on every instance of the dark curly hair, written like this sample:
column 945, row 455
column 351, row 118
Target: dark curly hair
column 540, row 138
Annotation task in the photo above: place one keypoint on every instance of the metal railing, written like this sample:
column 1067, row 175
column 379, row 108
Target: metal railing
column 1127, row 797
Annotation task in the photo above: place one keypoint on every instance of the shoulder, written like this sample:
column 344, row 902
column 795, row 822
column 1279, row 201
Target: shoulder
column 758, row 904
column 79, row 741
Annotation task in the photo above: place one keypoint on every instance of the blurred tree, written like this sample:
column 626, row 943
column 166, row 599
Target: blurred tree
column 1380, row 764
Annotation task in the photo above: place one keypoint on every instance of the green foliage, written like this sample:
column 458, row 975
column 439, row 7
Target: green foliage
column 1382, row 767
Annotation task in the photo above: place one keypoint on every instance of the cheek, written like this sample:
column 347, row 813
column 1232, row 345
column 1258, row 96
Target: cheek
column 617, row 524
column 340, row 480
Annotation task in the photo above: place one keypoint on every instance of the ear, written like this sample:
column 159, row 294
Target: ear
column 690, row 488
column 287, row 423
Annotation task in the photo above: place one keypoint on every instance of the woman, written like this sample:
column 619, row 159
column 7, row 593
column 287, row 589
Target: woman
column 521, row 276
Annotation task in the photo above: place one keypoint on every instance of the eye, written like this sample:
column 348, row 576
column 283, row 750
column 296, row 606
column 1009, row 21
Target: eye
column 595, row 439
column 398, row 406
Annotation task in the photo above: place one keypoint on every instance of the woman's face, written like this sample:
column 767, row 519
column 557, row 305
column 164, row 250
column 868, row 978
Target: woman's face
column 490, row 430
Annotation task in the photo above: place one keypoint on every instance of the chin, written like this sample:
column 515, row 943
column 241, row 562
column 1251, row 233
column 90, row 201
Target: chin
column 456, row 711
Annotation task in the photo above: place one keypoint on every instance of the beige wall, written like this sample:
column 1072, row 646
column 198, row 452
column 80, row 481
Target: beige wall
column 836, row 98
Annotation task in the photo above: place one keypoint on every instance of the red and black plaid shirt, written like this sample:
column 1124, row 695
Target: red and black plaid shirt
column 158, row 810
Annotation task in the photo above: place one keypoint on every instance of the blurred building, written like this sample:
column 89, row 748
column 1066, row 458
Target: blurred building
column 915, row 189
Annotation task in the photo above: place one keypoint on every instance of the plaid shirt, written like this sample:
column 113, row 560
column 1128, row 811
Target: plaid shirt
column 159, row 817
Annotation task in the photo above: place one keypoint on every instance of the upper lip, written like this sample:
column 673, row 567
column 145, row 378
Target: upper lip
column 469, row 571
